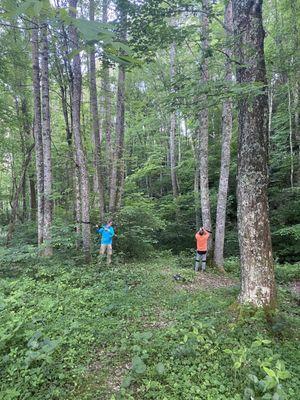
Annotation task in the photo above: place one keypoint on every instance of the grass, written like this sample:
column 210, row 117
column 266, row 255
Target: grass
column 69, row 331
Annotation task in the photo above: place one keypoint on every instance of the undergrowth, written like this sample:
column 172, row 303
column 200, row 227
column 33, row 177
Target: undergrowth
column 74, row 331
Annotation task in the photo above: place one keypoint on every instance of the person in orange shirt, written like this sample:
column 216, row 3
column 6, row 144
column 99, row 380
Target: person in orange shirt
column 202, row 238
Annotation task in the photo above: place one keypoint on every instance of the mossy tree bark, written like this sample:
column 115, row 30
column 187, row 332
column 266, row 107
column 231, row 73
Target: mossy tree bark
column 257, row 271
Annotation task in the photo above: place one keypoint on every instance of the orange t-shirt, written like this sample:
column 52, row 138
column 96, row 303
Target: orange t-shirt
column 202, row 241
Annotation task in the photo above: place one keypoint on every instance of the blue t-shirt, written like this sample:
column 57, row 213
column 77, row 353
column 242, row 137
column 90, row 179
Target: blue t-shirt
column 107, row 233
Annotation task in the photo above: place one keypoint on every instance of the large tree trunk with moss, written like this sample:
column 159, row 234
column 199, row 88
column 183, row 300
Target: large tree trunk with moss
column 46, row 133
column 37, row 129
column 225, row 151
column 96, row 123
column 80, row 156
column 257, row 270
column 203, row 123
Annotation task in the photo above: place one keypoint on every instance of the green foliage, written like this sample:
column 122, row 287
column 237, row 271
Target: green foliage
column 232, row 266
column 94, row 331
column 138, row 227
column 286, row 242
column 186, row 259
column 287, row 272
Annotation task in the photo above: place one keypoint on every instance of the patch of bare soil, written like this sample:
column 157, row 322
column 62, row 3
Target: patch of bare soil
column 207, row 281
column 295, row 288
column 158, row 322
column 97, row 363
column 116, row 373
column 116, row 377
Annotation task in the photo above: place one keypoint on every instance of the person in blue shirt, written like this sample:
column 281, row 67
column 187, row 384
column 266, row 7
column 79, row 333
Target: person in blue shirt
column 107, row 233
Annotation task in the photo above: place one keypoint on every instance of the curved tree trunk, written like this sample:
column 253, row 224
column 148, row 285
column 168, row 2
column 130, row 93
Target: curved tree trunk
column 80, row 156
column 225, row 152
column 258, row 283
column 46, row 132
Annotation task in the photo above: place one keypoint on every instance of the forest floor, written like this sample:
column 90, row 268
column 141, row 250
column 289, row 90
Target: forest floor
column 133, row 331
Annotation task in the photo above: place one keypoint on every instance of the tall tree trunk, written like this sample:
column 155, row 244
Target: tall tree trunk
column 203, row 125
column 105, row 106
column 77, row 191
column 118, row 164
column 80, row 156
column 24, row 200
column 96, row 123
column 32, row 197
column 291, row 136
column 38, row 133
column 46, row 132
column 195, row 149
column 27, row 128
column 172, row 137
column 297, row 131
column 225, row 151
column 258, row 283
column 22, row 123
column 120, row 128
column 15, row 201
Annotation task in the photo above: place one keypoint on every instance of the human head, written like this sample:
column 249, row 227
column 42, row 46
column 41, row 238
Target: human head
column 201, row 231
column 109, row 222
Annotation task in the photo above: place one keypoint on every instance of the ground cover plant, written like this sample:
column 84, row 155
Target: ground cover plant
column 132, row 331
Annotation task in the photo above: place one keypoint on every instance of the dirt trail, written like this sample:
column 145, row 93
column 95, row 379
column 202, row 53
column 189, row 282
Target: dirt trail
column 208, row 281
column 295, row 287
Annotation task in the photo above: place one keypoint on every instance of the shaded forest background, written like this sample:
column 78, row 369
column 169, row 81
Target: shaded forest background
column 147, row 62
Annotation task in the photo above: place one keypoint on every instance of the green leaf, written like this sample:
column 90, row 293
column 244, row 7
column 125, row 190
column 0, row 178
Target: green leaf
column 237, row 365
column 92, row 30
column 269, row 372
column 15, row 10
column 126, row 381
column 253, row 378
column 160, row 368
column 37, row 7
column 283, row 374
column 138, row 365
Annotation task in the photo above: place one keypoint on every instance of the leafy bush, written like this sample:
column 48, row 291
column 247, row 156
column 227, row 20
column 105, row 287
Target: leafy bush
column 63, row 235
column 186, row 259
column 17, row 255
column 287, row 272
column 286, row 243
column 232, row 266
column 138, row 227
